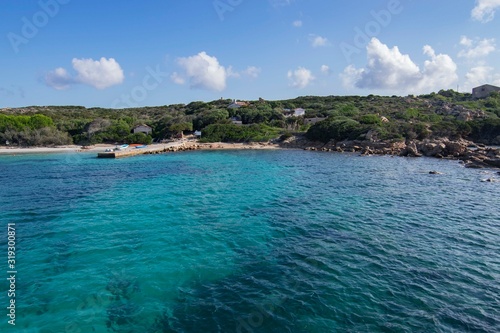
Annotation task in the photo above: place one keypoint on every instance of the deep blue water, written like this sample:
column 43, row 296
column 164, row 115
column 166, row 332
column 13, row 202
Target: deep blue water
column 250, row 241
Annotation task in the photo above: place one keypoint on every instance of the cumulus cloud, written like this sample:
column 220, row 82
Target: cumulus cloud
column 297, row 23
column 100, row 74
column 300, row 78
column 476, row 48
column 59, row 79
column 390, row 69
column 479, row 75
column 485, row 10
column 318, row 41
column 325, row 69
column 204, row 72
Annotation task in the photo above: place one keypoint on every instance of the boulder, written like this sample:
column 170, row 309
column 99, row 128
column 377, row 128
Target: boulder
column 432, row 149
column 494, row 162
column 456, row 148
column 411, row 150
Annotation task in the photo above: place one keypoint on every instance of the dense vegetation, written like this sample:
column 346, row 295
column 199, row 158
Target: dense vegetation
column 443, row 114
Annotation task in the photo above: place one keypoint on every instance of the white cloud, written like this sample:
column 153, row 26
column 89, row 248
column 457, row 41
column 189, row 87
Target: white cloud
column 297, row 23
column 440, row 72
column 204, row 72
column 476, row 48
column 232, row 73
column 177, row 79
column 318, row 41
column 100, row 74
column 485, row 10
column 351, row 76
column 390, row 69
column 480, row 75
column 252, row 72
column 59, row 79
column 325, row 69
column 300, row 78
column 467, row 42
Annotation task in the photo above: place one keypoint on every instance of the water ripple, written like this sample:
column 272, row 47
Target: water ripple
column 242, row 241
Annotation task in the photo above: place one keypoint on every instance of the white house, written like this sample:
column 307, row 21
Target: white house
column 142, row 129
column 484, row 91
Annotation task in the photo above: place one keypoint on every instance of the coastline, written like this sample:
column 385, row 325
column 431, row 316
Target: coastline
column 478, row 157
column 4, row 150
column 99, row 148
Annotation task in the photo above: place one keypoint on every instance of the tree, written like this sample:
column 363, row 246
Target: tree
column 139, row 138
column 178, row 128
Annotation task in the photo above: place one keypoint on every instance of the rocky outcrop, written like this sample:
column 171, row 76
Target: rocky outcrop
column 460, row 112
column 482, row 158
column 443, row 147
column 411, row 150
column 473, row 156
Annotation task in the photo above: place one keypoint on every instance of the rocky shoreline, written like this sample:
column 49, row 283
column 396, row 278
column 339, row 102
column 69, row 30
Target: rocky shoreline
column 471, row 154
column 467, row 152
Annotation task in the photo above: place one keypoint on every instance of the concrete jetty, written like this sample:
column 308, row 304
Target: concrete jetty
column 152, row 149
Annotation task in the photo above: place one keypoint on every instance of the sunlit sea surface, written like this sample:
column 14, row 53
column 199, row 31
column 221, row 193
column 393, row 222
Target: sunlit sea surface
column 250, row 241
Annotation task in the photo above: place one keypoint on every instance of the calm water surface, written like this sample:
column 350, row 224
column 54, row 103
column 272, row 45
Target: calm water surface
column 250, row 241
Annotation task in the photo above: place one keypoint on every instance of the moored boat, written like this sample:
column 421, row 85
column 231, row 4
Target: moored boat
column 122, row 147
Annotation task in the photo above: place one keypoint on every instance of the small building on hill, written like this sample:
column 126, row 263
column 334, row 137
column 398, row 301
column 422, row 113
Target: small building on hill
column 237, row 104
column 142, row 129
column 484, row 91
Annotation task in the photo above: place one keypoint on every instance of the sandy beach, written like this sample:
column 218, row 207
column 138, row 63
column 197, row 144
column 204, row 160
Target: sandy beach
column 6, row 150
column 187, row 145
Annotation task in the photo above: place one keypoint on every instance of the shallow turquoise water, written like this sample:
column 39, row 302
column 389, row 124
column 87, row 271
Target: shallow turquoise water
column 251, row 241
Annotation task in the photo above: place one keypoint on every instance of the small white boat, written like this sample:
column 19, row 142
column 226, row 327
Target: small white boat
column 122, row 147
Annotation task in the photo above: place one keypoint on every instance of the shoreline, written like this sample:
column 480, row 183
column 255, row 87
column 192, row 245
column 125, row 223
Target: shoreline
column 4, row 150
column 481, row 157
column 171, row 146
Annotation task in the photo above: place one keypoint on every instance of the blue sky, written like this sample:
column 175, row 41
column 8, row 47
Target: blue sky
column 110, row 53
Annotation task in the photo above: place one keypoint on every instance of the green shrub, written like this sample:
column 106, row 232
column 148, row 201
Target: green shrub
column 370, row 119
column 236, row 133
column 139, row 138
column 336, row 129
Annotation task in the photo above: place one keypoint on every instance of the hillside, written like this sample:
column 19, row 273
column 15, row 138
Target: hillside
column 375, row 118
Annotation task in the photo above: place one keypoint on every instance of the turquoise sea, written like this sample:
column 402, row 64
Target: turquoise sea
column 250, row 241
